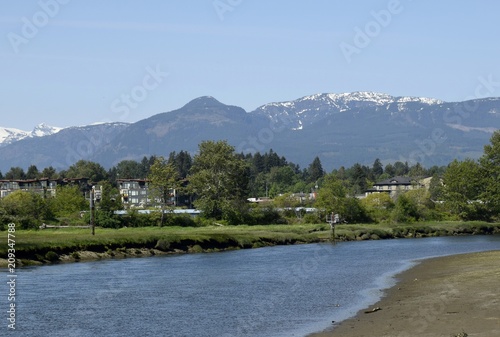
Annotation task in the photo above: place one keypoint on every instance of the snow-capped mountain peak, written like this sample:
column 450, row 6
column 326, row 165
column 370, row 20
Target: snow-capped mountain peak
column 309, row 109
column 43, row 129
column 11, row 135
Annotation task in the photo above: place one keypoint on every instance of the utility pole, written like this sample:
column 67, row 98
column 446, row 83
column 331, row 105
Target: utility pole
column 92, row 210
column 332, row 219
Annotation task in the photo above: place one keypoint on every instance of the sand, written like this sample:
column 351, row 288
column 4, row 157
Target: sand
column 446, row 296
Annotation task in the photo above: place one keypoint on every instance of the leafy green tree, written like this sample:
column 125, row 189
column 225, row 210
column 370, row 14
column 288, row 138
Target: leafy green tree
column 68, row 201
column 490, row 164
column 417, row 171
column 110, row 198
column 378, row 206
column 219, row 178
column 129, row 169
column 282, row 178
column 463, row 184
column 436, row 188
column 331, row 196
column 87, row 169
column 332, row 199
column 405, row 210
column 163, row 180
column 26, row 208
column 286, row 200
column 354, row 212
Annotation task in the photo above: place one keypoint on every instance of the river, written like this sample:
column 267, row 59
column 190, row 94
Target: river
column 273, row 291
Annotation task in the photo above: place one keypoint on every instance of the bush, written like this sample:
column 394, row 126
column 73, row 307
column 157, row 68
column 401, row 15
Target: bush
column 196, row 249
column 264, row 216
column 312, row 218
column 184, row 220
column 52, row 256
column 405, row 210
column 162, row 245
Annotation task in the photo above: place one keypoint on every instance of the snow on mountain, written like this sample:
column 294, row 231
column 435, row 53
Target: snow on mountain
column 11, row 135
column 308, row 109
column 44, row 130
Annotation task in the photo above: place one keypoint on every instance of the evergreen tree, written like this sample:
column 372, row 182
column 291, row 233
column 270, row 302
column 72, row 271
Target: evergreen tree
column 377, row 168
column 15, row 173
column 49, row 172
column 315, row 170
column 389, row 170
column 417, row 171
column 32, row 172
column 129, row 169
column 400, row 168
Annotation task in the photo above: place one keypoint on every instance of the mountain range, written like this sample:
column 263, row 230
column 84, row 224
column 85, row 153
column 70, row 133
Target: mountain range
column 341, row 129
column 11, row 135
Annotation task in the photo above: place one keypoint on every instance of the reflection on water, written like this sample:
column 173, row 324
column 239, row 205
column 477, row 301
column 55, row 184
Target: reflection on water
column 274, row 291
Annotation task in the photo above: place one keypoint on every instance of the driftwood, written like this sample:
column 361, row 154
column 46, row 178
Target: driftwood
column 373, row 310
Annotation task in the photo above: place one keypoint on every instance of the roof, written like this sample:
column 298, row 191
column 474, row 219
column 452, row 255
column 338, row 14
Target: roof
column 395, row 181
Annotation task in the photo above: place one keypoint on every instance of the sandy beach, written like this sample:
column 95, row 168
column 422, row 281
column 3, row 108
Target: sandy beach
column 444, row 296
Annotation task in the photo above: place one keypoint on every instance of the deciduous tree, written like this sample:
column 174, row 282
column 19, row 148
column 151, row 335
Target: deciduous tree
column 163, row 180
column 68, row 201
column 490, row 164
column 463, row 184
column 219, row 178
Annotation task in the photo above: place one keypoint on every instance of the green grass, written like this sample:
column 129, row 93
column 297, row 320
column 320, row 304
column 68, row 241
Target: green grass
column 67, row 240
column 30, row 244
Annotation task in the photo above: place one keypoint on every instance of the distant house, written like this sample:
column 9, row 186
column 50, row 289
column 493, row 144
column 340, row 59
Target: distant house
column 44, row 186
column 136, row 193
column 394, row 185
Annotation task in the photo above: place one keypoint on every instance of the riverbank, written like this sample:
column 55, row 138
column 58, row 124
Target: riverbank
column 74, row 244
column 448, row 296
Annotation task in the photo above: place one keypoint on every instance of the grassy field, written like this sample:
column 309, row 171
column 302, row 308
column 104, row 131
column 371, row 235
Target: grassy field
column 34, row 245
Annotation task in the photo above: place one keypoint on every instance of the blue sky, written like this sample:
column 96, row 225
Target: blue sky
column 95, row 61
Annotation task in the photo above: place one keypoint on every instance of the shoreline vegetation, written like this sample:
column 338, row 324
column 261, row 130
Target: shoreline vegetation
column 55, row 245
column 446, row 296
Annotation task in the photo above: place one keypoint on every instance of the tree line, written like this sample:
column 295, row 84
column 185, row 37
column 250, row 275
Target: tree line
column 220, row 181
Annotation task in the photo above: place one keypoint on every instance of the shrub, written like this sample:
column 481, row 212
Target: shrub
column 264, row 216
column 312, row 218
column 52, row 256
column 196, row 249
column 162, row 245
column 180, row 220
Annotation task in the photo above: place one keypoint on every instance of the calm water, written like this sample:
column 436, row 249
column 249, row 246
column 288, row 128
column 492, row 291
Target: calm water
column 276, row 291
